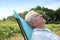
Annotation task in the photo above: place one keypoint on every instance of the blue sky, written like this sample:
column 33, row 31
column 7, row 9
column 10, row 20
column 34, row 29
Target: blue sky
column 7, row 6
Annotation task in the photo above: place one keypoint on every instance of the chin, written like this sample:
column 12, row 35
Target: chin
column 44, row 22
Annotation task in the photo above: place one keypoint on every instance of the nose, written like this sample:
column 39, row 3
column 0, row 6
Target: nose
column 42, row 18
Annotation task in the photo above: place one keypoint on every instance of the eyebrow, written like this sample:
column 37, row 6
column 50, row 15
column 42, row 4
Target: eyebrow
column 36, row 15
column 39, row 15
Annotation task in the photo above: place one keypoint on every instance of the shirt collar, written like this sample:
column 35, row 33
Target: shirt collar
column 38, row 29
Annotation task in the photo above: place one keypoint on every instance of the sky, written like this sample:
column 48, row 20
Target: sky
column 8, row 6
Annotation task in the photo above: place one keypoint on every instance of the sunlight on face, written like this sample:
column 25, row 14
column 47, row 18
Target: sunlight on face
column 38, row 18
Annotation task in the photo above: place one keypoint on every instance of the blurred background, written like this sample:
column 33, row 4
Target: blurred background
column 9, row 28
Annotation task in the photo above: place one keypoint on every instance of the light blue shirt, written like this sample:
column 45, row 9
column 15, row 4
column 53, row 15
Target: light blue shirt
column 44, row 34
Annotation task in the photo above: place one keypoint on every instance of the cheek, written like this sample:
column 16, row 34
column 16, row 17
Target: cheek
column 39, row 21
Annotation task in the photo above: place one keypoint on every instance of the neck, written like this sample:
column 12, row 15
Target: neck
column 41, row 26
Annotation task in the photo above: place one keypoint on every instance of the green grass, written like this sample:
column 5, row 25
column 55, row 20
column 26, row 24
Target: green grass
column 54, row 27
column 9, row 29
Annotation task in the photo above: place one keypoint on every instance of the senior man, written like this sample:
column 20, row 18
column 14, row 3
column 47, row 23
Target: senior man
column 40, row 32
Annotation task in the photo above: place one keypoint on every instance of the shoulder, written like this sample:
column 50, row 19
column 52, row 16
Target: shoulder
column 45, row 31
column 38, row 32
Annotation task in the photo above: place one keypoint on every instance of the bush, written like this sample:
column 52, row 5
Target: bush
column 8, row 29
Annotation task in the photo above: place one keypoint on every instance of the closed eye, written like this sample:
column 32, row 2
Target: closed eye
column 36, row 15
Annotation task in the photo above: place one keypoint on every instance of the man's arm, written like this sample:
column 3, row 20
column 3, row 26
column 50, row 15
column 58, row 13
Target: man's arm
column 54, row 37
column 36, row 37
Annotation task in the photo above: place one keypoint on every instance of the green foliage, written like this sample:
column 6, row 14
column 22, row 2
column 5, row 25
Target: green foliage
column 57, row 15
column 23, row 14
column 8, row 29
column 40, row 11
column 54, row 27
column 36, row 8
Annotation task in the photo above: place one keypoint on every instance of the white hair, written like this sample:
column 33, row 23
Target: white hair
column 29, row 17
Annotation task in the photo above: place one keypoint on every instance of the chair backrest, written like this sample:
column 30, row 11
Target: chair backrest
column 24, row 26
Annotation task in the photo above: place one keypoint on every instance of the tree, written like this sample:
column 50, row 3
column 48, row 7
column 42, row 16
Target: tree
column 4, row 19
column 36, row 8
column 57, row 15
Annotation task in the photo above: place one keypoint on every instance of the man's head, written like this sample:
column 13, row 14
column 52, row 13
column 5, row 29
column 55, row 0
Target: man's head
column 34, row 19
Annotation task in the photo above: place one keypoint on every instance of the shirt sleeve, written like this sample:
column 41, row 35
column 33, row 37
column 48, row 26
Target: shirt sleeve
column 36, row 37
column 54, row 37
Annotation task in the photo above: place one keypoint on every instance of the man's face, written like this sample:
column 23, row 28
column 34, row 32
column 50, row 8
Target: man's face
column 38, row 19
